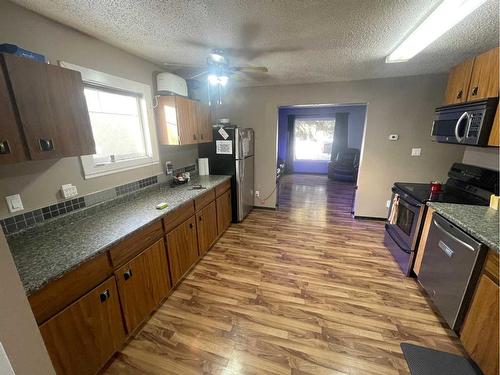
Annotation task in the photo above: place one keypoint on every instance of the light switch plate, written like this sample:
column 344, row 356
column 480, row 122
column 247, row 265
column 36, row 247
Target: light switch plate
column 69, row 191
column 14, row 203
column 416, row 151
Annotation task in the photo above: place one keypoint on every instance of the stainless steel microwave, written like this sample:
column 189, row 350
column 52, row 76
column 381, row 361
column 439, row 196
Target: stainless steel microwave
column 467, row 123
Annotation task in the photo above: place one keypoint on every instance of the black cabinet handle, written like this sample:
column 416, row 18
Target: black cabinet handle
column 191, row 225
column 199, row 218
column 4, row 147
column 127, row 275
column 194, row 137
column 474, row 91
column 460, row 93
column 104, row 295
column 46, row 144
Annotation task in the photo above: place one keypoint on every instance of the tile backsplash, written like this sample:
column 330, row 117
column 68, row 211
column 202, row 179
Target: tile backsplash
column 25, row 220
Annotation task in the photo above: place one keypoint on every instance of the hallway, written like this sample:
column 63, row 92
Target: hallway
column 305, row 289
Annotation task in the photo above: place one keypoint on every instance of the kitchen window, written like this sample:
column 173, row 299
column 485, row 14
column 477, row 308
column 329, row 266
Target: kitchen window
column 120, row 112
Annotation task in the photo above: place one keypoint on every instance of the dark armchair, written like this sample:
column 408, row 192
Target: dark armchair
column 344, row 165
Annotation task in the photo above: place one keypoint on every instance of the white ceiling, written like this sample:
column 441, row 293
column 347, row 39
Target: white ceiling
column 300, row 41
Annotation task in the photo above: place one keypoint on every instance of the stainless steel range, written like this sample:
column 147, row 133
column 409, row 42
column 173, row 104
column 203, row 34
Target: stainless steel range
column 467, row 184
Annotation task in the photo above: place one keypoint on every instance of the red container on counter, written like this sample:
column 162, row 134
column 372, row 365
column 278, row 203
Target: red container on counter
column 435, row 186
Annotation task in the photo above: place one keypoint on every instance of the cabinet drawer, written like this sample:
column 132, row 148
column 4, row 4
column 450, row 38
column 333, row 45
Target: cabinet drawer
column 204, row 199
column 221, row 189
column 134, row 244
column 54, row 297
column 178, row 216
column 84, row 336
column 491, row 265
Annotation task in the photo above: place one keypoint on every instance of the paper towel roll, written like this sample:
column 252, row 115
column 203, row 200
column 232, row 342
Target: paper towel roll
column 203, row 167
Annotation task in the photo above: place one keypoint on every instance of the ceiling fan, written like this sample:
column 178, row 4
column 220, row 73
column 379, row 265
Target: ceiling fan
column 218, row 69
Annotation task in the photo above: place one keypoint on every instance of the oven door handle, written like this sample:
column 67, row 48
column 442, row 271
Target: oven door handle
column 464, row 115
column 389, row 232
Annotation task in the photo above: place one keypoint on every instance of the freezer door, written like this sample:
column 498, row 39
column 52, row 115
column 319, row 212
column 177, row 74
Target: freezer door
column 244, row 143
column 244, row 186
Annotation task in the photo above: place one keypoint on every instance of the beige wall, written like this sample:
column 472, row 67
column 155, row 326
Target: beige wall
column 403, row 106
column 482, row 157
column 39, row 182
column 19, row 332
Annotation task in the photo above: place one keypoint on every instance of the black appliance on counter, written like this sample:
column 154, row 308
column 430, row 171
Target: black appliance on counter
column 467, row 184
column 467, row 123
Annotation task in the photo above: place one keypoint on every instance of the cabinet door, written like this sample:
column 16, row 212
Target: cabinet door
column 480, row 330
column 11, row 140
column 458, row 82
column 494, row 139
column 204, row 123
column 143, row 283
column 224, row 212
column 182, row 249
column 186, row 121
column 484, row 79
column 206, row 227
column 82, row 337
column 52, row 108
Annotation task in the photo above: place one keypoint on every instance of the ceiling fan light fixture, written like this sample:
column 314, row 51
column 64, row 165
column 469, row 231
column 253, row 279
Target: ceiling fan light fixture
column 443, row 18
column 214, row 79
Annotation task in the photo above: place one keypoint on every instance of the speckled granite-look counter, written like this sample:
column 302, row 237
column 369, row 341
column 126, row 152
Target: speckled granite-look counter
column 48, row 251
column 479, row 221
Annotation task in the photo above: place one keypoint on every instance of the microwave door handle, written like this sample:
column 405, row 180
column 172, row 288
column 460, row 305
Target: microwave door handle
column 465, row 114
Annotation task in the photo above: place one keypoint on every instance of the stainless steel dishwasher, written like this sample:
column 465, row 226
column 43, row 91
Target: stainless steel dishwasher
column 450, row 267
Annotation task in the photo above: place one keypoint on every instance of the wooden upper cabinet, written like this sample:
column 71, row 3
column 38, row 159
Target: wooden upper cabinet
column 176, row 118
column 224, row 212
column 12, row 147
column 51, row 108
column 458, row 83
column 484, row 79
column 143, row 283
column 182, row 249
column 494, row 139
column 84, row 336
column 206, row 227
column 204, row 123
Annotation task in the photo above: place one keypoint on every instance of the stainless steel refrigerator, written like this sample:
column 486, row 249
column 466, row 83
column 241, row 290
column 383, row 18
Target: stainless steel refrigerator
column 232, row 153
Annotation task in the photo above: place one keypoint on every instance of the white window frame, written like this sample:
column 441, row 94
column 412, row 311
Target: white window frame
column 94, row 78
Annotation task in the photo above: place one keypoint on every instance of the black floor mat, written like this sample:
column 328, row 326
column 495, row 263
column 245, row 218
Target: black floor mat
column 424, row 361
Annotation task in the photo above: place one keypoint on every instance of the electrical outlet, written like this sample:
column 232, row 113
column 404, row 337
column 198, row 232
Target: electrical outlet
column 388, row 204
column 14, row 203
column 416, row 151
column 257, row 193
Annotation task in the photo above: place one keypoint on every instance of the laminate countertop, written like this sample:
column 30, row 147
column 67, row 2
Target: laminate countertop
column 481, row 222
column 48, row 251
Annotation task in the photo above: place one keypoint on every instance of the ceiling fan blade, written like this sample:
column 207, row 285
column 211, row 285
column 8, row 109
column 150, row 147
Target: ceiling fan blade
column 252, row 69
column 199, row 74
column 180, row 65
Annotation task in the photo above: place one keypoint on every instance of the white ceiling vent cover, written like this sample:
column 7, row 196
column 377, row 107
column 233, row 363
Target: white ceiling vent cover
column 168, row 84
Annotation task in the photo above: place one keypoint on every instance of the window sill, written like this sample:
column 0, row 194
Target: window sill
column 116, row 167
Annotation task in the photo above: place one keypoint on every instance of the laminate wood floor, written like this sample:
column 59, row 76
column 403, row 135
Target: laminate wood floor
column 302, row 290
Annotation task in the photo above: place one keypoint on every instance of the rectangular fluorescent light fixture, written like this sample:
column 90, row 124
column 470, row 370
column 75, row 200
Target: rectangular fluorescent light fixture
column 443, row 18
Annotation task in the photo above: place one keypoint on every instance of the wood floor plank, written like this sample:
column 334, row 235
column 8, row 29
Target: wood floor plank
column 305, row 289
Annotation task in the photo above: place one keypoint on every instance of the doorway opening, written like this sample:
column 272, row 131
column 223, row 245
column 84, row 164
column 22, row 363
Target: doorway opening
column 320, row 140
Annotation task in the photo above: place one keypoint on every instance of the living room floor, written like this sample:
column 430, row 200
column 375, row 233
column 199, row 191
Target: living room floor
column 305, row 289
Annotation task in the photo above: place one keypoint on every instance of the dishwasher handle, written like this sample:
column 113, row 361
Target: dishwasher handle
column 461, row 242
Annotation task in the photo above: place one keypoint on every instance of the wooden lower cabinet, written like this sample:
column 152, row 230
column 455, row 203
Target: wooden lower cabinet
column 480, row 331
column 423, row 239
column 182, row 248
column 143, row 283
column 83, row 337
column 206, row 226
column 224, row 212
